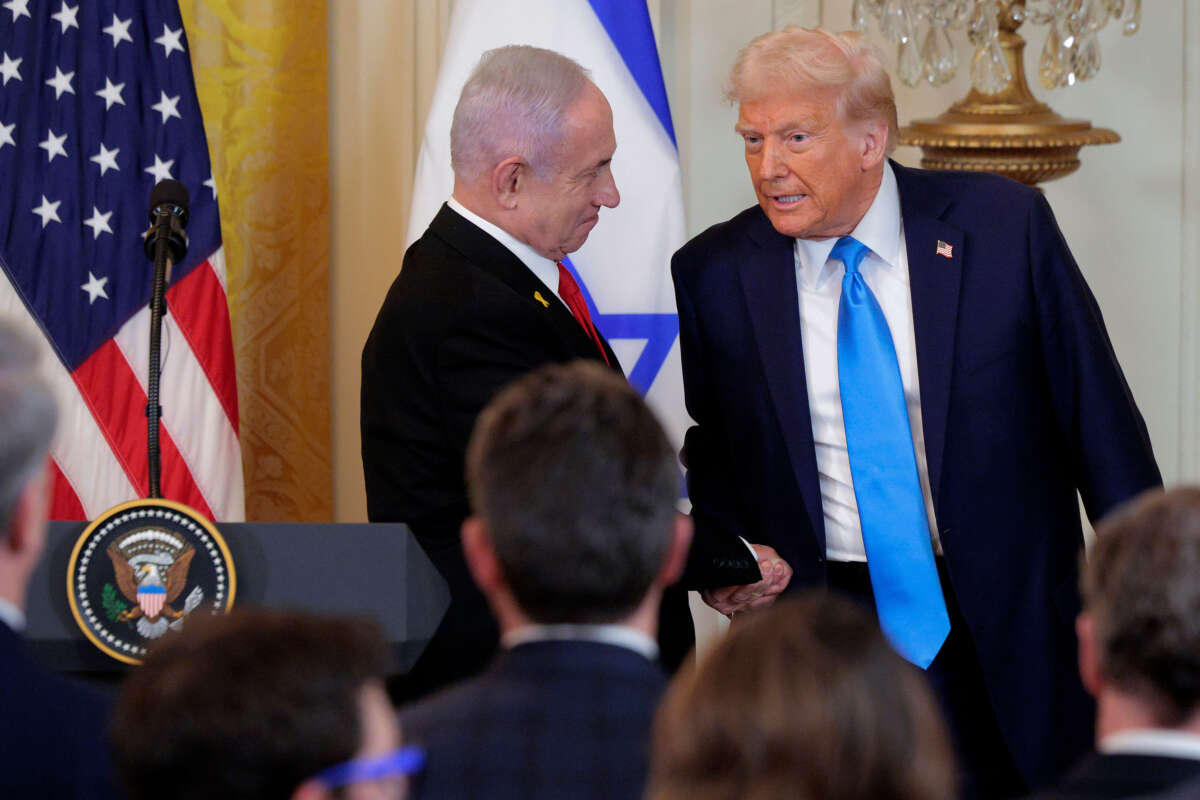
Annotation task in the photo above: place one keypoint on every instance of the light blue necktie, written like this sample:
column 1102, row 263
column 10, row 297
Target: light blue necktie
column 891, row 508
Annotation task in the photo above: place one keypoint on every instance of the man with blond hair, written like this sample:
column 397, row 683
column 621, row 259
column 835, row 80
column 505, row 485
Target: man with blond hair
column 900, row 381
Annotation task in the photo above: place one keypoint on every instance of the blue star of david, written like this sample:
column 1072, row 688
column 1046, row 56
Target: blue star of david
column 659, row 331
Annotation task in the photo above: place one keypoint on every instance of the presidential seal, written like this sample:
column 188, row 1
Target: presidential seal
column 140, row 569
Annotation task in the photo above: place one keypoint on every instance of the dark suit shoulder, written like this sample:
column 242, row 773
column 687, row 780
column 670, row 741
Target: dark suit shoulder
column 973, row 195
column 53, row 732
column 723, row 239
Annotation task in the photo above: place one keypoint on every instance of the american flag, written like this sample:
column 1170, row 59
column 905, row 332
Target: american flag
column 945, row 250
column 97, row 104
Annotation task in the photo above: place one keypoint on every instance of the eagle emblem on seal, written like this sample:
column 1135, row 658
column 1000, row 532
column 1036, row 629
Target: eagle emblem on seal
column 151, row 567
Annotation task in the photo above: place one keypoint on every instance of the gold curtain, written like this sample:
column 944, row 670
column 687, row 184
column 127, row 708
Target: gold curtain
column 261, row 71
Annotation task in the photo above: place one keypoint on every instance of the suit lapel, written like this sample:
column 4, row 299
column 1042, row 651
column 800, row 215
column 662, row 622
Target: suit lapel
column 935, row 281
column 768, row 277
column 498, row 261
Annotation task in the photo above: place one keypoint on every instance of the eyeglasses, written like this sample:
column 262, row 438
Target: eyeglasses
column 398, row 763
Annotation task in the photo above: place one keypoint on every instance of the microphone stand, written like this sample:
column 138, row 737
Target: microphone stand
column 158, row 301
column 166, row 244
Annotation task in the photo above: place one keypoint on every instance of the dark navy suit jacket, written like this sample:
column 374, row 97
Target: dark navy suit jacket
column 1023, row 403
column 1114, row 776
column 53, row 740
column 549, row 719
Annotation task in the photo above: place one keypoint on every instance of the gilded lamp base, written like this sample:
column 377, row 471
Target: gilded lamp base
column 1010, row 132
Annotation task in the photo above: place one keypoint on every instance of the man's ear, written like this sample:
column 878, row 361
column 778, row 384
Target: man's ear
column 26, row 533
column 481, row 555
column 677, row 551
column 1089, row 654
column 508, row 178
column 873, row 139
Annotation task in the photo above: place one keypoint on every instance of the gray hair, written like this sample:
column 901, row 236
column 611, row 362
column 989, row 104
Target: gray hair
column 1141, row 585
column 514, row 104
column 27, row 420
column 796, row 59
column 577, row 483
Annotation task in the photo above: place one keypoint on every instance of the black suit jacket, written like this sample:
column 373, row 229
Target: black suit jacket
column 1023, row 403
column 1117, row 776
column 53, row 732
column 462, row 320
column 547, row 720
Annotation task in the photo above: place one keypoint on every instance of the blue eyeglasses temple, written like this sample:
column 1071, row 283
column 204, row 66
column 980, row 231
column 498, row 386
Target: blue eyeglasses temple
column 404, row 761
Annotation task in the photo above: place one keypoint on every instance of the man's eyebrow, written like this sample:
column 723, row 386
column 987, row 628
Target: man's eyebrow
column 801, row 123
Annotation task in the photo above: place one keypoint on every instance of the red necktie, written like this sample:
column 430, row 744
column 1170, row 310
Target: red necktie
column 568, row 290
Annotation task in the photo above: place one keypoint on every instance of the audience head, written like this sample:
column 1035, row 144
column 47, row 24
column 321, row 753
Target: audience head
column 531, row 145
column 818, row 118
column 804, row 700
column 573, row 484
column 1139, row 633
column 26, row 428
column 261, row 705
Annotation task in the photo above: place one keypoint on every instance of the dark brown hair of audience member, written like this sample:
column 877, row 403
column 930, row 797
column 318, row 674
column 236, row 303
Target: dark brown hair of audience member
column 577, row 483
column 245, row 706
column 1141, row 586
column 804, row 700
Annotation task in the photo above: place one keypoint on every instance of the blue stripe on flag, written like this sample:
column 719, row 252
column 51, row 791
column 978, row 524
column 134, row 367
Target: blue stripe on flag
column 659, row 331
column 627, row 23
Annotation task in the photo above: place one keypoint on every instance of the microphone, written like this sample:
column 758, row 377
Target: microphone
column 165, row 244
column 168, row 217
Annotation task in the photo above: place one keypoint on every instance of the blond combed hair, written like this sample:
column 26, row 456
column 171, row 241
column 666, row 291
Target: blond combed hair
column 797, row 59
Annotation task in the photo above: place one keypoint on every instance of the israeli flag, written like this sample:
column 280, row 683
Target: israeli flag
column 624, row 268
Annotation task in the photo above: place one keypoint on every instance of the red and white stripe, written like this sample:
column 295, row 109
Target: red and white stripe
column 99, row 453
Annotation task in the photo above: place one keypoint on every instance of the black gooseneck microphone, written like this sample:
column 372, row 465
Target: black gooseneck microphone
column 166, row 245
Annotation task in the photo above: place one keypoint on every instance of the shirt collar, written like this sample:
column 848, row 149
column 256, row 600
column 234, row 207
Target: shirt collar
column 879, row 229
column 1152, row 742
column 12, row 616
column 545, row 269
column 620, row 635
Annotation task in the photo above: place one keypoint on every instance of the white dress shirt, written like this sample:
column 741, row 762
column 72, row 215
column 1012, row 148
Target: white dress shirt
column 819, row 282
column 1152, row 742
column 545, row 269
column 619, row 635
column 12, row 616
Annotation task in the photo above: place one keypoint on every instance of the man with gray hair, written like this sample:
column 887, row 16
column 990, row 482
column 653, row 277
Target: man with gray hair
column 482, row 298
column 573, row 540
column 901, row 384
column 1139, row 649
column 52, row 742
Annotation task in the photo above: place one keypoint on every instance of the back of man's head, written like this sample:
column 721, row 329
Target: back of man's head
column 576, row 483
column 27, row 418
column 1141, row 593
column 514, row 104
column 246, row 706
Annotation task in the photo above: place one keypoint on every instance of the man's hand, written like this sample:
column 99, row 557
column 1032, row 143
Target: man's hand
column 776, row 574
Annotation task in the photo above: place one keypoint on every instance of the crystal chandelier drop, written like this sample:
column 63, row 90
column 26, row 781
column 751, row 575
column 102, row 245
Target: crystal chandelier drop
column 999, row 126
column 921, row 30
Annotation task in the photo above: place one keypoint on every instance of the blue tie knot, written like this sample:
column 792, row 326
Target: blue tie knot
column 849, row 251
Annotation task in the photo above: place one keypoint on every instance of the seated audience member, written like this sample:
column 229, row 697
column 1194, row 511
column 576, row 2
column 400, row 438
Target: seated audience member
column 51, row 730
column 262, row 705
column 1139, row 649
column 573, row 485
column 805, row 700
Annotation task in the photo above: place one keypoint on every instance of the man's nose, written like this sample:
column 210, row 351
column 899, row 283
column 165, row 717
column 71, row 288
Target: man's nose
column 609, row 197
column 771, row 164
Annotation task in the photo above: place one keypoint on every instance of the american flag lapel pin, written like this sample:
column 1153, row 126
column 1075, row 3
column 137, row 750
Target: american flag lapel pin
column 944, row 249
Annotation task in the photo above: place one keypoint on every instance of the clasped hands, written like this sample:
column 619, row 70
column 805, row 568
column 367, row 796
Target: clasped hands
column 776, row 574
